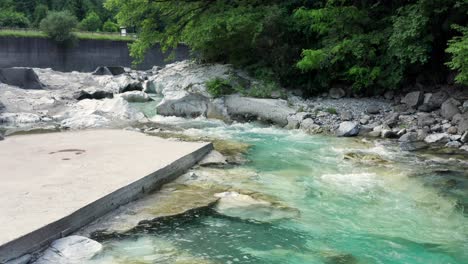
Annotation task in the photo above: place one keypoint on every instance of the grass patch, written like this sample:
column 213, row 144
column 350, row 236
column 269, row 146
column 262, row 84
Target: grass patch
column 331, row 110
column 31, row 33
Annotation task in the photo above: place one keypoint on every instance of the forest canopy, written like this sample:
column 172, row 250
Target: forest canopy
column 368, row 45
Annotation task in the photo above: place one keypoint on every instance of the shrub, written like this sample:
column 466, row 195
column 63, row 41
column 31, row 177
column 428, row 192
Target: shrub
column 219, row 87
column 10, row 18
column 40, row 12
column 458, row 48
column 59, row 25
column 110, row 26
column 331, row 110
column 91, row 22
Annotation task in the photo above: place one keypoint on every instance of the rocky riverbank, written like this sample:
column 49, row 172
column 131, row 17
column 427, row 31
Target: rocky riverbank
column 55, row 100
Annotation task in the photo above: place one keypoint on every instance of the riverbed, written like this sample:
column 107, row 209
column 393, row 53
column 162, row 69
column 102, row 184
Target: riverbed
column 317, row 199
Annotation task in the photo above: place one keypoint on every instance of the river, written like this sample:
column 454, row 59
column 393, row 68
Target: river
column 317, row 199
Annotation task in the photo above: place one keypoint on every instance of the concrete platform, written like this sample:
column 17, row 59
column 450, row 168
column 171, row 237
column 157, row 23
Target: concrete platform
column 53, row 184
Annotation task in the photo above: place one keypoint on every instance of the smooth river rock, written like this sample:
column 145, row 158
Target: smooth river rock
column 347, row 129
column 213, row 158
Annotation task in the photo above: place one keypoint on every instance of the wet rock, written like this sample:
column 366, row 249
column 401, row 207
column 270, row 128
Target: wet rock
column 309, row 126
column 413, row 146
column 336, row 93
column 392, row 120
column 437, row 138
column 2, row 107
column 449, row 108
column 374, row 133
column 409, row 137
column 434, row 101
column 453, row 144
column 364, row 157
column 413, row 99
column 85, row 121
column 213, row 158
column 294, row 120
column 135, row 97
column 275, row 111
column 373, row 109
column 24, row 78
column 347, row 129
column 70, row 250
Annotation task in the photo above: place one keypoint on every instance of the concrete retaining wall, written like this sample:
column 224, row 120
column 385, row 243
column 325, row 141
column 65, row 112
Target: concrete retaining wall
column 85, row 56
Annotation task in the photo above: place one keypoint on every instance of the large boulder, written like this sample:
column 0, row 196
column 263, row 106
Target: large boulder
column 269, row 110
column 309, row 126
column 347, row 129
column 437, row 138
column 294, row 120
column 183, row 104
column 449, row 108
column 70, row 250
column 24, row 78
column 433, row 101
column 413, row 99
column 213, row 158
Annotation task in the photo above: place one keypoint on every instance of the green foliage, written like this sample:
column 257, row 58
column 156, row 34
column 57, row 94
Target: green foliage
column 331, row 110
column 110, row 26
column 458, row 48
column 91, row 22
column 9, row 18
column 59, row 25
column 219, row 87
column 40, row 12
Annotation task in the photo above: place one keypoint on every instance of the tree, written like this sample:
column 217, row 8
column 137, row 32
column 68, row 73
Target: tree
column 110, row 26
column 9, row 18
column 91, row 22
column 39, row 13
column 458, row 48
column 59, row 25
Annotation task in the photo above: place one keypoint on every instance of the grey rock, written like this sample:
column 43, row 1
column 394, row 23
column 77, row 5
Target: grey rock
column 465, row 106
column 270, row 110
column 24, row 78
column 449, row 108
column 183, row 104
column 1, row 138
column 309, row 126
column 135, row 97
column 389, row 95
column 392, row 120
column 435, row 101
column 413, row 99
column 348, row 129
column 213, row 158
column 294, row 120
column 464, row 147
column 400, row 108
column 464, row 137
column 373, row 109
column 97, row 94
column 422, row 134
column 452, row 130
column 409, row 137
column 388, row 134
column 425, row 119
column 437, row 138
column 346, row 116
column 109, row 70
column 337, row 93
column 70, row 250
column 401, row 132
column 374, row 133
column 453, row 144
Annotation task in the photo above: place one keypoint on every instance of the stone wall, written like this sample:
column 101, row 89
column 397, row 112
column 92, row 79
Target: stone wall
column 85, row 56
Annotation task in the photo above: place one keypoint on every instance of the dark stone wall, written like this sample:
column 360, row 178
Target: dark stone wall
column 85, row 56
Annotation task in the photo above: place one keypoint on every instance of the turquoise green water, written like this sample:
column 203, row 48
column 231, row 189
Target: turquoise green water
column 400, row 209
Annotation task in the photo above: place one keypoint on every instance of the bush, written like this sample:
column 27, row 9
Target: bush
column 91, row 22
column 59, row 25
column 458, row 48
column 219, row 87
column 40, row 12
column 110, row 26
column 10, row 18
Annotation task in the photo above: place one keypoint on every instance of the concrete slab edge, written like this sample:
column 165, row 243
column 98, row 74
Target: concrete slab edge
column 42, row 237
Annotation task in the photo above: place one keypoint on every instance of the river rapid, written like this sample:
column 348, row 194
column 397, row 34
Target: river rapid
column 307, row 199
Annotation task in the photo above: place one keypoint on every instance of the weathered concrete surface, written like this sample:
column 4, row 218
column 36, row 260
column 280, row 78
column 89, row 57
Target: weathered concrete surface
column 53, row 184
